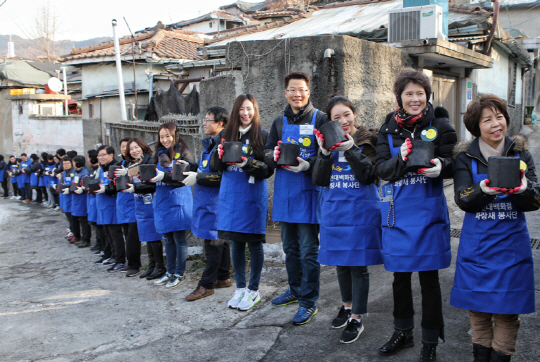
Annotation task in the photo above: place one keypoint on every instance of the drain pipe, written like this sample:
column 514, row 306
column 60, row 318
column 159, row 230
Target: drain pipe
column 151, row 87
column 119, row 72
column 496, row 8
column 66, row 105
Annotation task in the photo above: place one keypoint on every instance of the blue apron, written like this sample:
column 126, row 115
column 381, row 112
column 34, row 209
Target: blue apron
column 350, row 219
column 25, row 178
column 172, row 206
column 494, row 267
column 295, row 196
column 2, row 173
column 144, row 214
column 50, row 181
column 243, row 206
column 41, row 180
column 205, row 205
column 78, row 202
column 91, row 202
column 13, row 169
column 125, row 207
column 105, row 204
column 65, row 200
column 415, row 223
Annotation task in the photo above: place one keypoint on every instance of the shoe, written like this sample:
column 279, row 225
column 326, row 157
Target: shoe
column 342, row 317
column 481, row 353
column 237, row 298
column 109, row 261
column 100, row 261
column 125, row 269
column 249, row 300
column 18, row 198
column 158, row 273
column 83, row 244
column 352, row 331
column 57, row 208
column 304, row 315
column 222, row 284
column 94, row 248
column 175, row 281
column 163, row 280
column 147, row 273
column 26, row 201
column 13, row 197
column 499, row 357
column 68, row 235
column 284, row 299
column 116, row 267
column 132, row 273
column 399, row 340
column 428, row 352
column 99, row 252
column 198, row 293
column 73, row 240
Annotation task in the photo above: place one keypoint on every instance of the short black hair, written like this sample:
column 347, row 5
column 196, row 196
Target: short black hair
column 125, row 139
column 66, row 158
column 24, row 154
column 220, row 114
column 34, row 157
column 50, row 157
column 44, row 155
column 61, row 152
column 1, row 157
column 296, row 75
column 409, row 75
column 108, row 149
column 80, row 160
column 72, row 153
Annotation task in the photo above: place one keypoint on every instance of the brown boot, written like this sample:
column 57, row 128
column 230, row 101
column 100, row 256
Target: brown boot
column 222, row 283
column 198, row 293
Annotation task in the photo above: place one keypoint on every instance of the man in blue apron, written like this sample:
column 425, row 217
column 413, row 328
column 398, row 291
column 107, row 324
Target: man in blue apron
column 205, row 205
column 296, row 197
column 25, row 178
column 3, row 176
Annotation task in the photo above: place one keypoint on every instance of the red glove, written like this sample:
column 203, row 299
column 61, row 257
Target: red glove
column 220, row 149
column 277, row 152
column 405, row 149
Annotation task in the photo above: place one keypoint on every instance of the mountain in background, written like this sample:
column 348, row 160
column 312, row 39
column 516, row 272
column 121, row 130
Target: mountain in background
column 29, row 49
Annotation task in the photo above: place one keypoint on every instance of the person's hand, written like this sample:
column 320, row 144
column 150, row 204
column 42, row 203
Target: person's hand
column 191, row 178
column 303, row 165
column 343, row 146
column 241, row 164
column 520, row 189
column 101, row 189
column 220, row 149
column 120, row 172
column 492, row 191
column 130, row 189
column 66, row 191
column 182, row 162
column 277, row 152
column 59, row 176
column 434, row 171
column 159, row 176
column 79, row 190
column 405, row 149
column 320, row 140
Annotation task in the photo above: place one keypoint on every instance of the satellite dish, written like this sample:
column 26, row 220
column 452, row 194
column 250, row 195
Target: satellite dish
column 55, row 84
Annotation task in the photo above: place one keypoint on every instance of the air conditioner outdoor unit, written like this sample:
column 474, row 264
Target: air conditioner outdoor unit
column 419, row 22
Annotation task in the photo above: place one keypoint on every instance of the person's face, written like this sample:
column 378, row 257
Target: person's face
column 165, row 138
column 492, row 126
column 210, row 127
column 135, row 150
column 24, row 158
column 247, row 111
column 67, row 165
column 123, row 148
column 104, row 158
column 414, row 99
column 12, row 159
column 345, row 116
column 297, row 94
column 56, row 160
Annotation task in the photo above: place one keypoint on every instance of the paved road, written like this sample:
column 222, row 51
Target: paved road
column 56, row 305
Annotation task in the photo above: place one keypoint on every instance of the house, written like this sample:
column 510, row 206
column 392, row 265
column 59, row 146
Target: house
column 244, row 7
column 212, row 22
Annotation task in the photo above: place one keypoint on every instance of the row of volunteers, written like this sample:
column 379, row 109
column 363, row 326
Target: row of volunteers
column 354, row 205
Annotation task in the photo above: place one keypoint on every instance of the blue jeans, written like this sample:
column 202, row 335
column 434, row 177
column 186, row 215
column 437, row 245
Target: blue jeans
column 239, row 263
column 301, row 247
column 176, row 251
column 354, row 287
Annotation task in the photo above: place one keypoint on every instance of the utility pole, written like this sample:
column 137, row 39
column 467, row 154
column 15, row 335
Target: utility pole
column 119, row 72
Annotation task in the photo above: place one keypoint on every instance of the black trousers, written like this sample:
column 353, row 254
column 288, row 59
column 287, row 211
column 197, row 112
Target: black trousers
column 133, row 245
column 218, row 262
column 27, row 191
column 56, row 199
column 100, row 236
column 15, row 188
column 74, row 225
column 68, row 216
column 5, row 186
column 432, row 316
column 116, row 246
column 22, row 192
column 155, row 255
column 39, row 194
column 85, row 233
column 44, row 193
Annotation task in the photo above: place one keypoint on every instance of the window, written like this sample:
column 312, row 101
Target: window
column 512, row 79
column 21, row 111
column 210, row 24
column 90, row 110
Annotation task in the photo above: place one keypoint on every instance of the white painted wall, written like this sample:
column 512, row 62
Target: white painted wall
column 203, row 26
column 494, row 80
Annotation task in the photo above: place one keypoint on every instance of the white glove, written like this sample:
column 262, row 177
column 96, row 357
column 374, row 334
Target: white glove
column 488, row 190
column 320, row 141
column 191, row 178
column 120, row 172
column 182, row 162
column 405, row 149
column 302, row 166
column 344, row 146
column 434, row 171
column 59, row 176
column 130, row 189
column 101, row 189
column 66, row 191
column 159, row 176
column 79, row 190
column 523, row 186
column 241, row 164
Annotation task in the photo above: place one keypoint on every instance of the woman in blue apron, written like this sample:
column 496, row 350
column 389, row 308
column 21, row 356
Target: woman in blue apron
column 243, row 198
column 205, row 208
column 13, row 167
column 65, row 196
column 173, row 203
column 139, row 153
column 415, row 223
column 494, row 269
column 350, row 214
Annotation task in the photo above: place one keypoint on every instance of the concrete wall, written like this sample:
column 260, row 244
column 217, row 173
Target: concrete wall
column 220, row 91
column 6, row 126
column 525, row 19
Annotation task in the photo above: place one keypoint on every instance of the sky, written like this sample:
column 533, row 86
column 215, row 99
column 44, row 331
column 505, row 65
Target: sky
column 81, row 20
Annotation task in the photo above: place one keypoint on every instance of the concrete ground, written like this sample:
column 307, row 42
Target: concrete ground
column 57, row 305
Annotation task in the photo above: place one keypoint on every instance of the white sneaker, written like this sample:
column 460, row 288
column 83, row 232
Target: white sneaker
column 251, row 297
column 163, row 280
column 237, row 298
column 18, row 198
column 13, row 197
column 175, row 281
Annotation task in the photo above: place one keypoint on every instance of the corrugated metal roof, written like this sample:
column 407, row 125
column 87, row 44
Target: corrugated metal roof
column 344, row 20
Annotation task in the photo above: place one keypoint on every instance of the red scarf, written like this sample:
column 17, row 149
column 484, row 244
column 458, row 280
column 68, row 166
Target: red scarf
column 403, row 119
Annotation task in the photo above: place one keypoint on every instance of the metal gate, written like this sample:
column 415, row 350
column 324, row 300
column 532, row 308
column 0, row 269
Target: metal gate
column 445, row 94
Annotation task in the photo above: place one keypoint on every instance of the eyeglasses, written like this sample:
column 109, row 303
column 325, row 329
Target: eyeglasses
column 299, row 91
column 102, row 155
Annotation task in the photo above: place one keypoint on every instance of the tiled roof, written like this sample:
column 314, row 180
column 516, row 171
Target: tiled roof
column 275, row 14
column 223, row 15
column 164, row 44
column 469, row 9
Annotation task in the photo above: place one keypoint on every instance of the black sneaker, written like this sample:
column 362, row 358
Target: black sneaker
column 342, row 318
column 112, row 268
column 99, row 252
column 100, row 261
column 352, row 331
column 109, row 261
column 94, row 248
column 398, row 341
